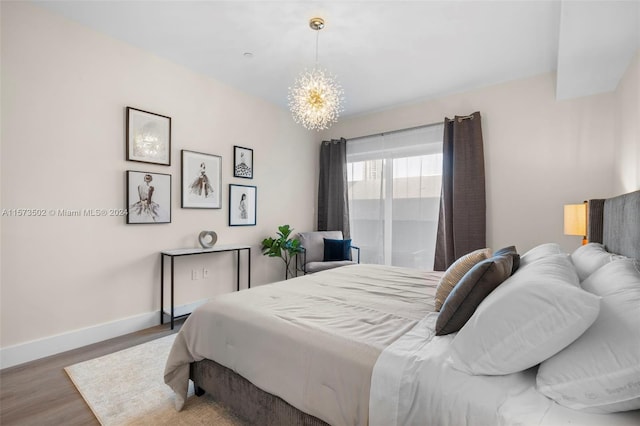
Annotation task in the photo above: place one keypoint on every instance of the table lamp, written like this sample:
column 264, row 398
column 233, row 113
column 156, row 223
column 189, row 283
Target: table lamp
column 575, row 220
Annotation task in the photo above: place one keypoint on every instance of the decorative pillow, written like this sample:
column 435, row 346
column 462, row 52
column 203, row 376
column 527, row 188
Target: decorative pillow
column 539, row 252
column 455, row 273
column 534, row 314
column 511, row 251
column 600, row 371
column 590, row 257
column 336, row 250
column 465, row 297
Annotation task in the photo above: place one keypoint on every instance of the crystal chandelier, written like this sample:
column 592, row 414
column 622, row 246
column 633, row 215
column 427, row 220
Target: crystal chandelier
column 316, row 97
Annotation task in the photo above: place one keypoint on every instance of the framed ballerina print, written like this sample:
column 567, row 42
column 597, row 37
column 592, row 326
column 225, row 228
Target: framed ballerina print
column 148, row 197
column 242, row 162
column 242, row 205
column 201, row 180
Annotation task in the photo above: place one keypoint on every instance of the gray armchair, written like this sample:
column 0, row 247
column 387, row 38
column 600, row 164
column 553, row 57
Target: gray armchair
column 312, row 257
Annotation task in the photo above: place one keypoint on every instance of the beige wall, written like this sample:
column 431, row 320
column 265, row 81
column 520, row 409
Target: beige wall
column 627, row 130
column 539, row 153
column 64, row 91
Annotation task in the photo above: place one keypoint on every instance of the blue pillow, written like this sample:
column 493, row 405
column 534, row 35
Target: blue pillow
column 336, row 250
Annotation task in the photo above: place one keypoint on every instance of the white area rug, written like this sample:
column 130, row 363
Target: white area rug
column 127, row 388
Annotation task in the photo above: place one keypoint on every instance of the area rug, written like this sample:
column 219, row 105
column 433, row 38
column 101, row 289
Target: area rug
column 127, row 388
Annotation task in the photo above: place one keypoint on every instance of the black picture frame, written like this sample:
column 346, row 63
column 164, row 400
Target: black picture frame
column 148, row 197
column 201, row 183
column 242, row 162
column 148, row 137
column 242, row 205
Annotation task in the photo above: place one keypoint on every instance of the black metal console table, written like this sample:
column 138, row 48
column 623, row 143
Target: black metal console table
column 191, row 251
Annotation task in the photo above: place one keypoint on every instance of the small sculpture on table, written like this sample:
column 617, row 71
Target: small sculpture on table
column 207, row 239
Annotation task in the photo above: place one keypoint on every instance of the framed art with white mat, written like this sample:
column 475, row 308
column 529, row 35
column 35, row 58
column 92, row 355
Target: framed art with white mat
column 242, row 205
column 148, row 197
column 201, row 180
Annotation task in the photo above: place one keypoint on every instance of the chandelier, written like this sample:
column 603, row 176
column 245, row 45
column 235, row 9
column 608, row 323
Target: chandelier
column 316, row 97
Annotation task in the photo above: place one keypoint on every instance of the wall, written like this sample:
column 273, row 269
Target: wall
column 539, row 153
column 69, row 281
column 627, row 130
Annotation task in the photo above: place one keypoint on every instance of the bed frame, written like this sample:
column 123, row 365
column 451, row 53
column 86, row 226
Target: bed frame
column 247, row 401
column 614, row 222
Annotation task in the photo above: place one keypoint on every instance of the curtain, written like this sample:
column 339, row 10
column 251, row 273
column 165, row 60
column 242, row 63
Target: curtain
column 462, row 217
column 333, row 201
column 394, row 195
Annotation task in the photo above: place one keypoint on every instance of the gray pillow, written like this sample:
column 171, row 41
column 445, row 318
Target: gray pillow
column 470, row 291
column 456, row 271
column 511, row 251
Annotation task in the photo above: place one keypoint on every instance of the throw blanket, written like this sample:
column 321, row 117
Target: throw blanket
column 312, row 340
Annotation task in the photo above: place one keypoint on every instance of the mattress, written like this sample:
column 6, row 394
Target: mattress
column 312, row 341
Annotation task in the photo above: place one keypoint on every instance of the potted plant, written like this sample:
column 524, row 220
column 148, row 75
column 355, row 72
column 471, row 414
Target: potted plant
column 283, row 247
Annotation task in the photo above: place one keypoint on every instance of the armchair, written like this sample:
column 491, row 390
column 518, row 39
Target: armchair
column 313, row 252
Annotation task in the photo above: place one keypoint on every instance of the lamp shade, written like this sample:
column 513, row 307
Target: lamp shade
column 575, row 219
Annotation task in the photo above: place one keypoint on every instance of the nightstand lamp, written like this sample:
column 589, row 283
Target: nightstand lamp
column 575, row 220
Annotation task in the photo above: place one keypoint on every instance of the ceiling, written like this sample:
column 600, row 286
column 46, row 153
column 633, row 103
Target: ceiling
column 384, row 53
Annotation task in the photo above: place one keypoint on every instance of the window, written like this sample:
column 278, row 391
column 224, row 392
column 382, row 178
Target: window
column 394, row 195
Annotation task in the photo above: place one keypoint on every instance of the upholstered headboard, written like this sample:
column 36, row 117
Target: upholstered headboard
column 615, row 222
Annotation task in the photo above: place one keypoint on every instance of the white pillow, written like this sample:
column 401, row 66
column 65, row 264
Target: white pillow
column 590, row 257
column 553, row 266
column 600, row 371
column 539, row 252
column 535, row 313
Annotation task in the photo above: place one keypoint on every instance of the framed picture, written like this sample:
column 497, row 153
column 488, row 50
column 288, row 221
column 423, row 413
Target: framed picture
column 242, row 205
column 242, row 162
column 148, row 197
column 201, row 180
column 148, row 137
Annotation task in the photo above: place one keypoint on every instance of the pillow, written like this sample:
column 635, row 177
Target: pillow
column 336, row 250
column 511, row 251
column 534, row 314
column 600, row 371
column 539, row 252
column 590, row 257
column 465, row 297
column 556, row 267
column 455, row 272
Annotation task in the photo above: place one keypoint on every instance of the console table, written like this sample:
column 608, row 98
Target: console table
column 191, row 251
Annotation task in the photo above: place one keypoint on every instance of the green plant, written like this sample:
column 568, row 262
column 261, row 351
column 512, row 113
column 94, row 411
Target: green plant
column 283, row 247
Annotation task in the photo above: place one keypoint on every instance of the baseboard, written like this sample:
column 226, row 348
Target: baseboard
column 52, row 345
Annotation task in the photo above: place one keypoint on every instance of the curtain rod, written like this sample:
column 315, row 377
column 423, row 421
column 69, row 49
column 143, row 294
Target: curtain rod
column 465, row 117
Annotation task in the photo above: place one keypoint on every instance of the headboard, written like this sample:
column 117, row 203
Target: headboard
column 615, row 222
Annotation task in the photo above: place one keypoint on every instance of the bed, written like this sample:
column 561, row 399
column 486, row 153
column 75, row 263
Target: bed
column 357, row 346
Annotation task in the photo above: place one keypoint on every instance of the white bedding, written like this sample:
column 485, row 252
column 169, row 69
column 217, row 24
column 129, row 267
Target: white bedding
column 313, row 340
column 413, row 383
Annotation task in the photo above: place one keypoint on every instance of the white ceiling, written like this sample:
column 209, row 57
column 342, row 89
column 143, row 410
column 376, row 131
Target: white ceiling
column 384, row 53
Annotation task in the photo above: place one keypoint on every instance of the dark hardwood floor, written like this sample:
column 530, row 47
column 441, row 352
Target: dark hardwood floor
column 40, row 392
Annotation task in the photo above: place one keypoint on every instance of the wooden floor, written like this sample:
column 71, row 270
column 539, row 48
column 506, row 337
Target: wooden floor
column 40, row 392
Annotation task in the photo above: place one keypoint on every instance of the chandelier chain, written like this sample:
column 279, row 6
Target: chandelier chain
column 317, row 38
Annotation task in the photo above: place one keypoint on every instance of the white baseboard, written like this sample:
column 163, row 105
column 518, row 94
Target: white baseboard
column 52, row 345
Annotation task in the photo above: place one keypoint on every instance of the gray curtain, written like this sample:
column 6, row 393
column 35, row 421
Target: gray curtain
column 462, row 219
column 333, row 201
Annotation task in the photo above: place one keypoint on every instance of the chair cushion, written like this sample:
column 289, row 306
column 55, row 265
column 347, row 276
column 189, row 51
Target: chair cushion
column 313, row 243
column 336, row 250
column 321, row 266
